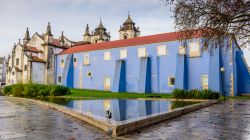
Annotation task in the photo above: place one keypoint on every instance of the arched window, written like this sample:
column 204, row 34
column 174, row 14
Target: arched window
column 125, row 36
column 95, row 40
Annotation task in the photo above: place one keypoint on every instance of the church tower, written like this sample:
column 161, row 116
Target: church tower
column 128, row 30
column 86, row 36
column 26, row 38
column 100, row 34
column 62, row 40
column 48, row 34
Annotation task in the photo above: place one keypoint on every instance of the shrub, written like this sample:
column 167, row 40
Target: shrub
column 35, row 90
column 7, row 90
column 179, row 93
column 195, row 94
column 59, row 90
column 17, row 90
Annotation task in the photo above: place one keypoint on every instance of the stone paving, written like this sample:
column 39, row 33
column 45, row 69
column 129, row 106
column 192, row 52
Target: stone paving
column 24, row 120
column 225, row 121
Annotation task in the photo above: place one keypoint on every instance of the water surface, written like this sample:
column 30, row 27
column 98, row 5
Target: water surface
column 120, row 110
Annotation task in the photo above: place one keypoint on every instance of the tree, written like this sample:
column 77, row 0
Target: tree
column 213, row 19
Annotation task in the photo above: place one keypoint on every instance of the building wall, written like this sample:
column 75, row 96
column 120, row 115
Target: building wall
column 162, row 68
column 2, row 70
column 38, row 71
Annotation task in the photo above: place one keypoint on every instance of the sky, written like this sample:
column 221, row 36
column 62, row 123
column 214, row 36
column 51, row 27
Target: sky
column 71, row 16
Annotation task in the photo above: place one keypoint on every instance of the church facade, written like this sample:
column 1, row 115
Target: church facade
column 32, row 60
column 143, row 64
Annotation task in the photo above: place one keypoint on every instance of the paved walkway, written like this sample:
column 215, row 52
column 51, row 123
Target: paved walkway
column 228, row 121
column 23, row 120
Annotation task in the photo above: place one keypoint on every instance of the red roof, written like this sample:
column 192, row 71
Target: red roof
column 123, row 43
column 33, row 49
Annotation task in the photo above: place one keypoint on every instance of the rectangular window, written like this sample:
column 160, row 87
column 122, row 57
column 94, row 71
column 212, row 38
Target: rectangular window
column 161, row 50
column 171, row 81
column 204, row 81
column 123, row 54
column 86, row 59
column 25, row 67
column 142, row 52
column 107, row 55
column 107, row 82
column 59, row 79
column 182, row 50
column 62, row 63
column 17, row 61
column 194, row 49
column 75, row 61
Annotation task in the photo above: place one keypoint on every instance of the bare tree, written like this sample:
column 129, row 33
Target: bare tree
column 213, row 19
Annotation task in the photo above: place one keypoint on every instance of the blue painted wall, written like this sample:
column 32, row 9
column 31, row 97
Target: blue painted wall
column 187, row 70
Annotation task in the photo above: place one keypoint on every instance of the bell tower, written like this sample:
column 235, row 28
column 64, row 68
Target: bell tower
column 128, row 29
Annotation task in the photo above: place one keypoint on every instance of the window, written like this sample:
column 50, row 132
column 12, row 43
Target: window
column 182, row 50
column 13, row 73
column 86, row 59
column 59, row 79
column 75, row 61
column 25, row 67
column 171, row 81
column 89, row 74
column 125, row 36
column 142, row 52
column 62, row 63
column 95, row 40
column 123, row 54
column 17, row 61
column 204, row 81
column 107, row 82
column 194, row 49
column 161, row 50
column 107, row 56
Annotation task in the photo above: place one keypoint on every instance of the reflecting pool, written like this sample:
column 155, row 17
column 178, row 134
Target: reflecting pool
column 119, row 109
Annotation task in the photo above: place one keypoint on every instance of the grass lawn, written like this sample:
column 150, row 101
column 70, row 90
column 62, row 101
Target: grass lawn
column 107, row 94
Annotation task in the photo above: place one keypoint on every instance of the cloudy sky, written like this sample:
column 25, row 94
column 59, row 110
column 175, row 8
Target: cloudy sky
column 71, row 16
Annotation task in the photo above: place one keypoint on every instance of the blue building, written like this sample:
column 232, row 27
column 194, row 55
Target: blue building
column 152, row 64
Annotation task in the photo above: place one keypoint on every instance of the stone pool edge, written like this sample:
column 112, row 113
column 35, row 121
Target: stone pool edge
column 118, row 130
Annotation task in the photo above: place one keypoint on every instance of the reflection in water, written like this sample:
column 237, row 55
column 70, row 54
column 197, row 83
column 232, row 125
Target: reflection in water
column 120, row 109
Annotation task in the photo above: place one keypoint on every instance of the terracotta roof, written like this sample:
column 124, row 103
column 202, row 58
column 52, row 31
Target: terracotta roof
column 37, row 59
column 56, row 43
column 33, row 49
column 123, row 43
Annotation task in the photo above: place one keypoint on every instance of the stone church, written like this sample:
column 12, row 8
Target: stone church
column 33, row 58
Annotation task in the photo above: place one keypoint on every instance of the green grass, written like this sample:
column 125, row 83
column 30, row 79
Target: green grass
column 76, row 93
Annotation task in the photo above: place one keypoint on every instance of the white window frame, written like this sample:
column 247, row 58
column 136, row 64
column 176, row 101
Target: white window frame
column 169, row 81
column 204, row 83
column 107, row 83
column 162, row 50
column 107, row 55
column 89, row 72
column 194, row 49
column 62, row 64
column 142, row 52
column 86, row 59
column 58, row 79
column 182, row 50
column 123, row 53
column 75, row 62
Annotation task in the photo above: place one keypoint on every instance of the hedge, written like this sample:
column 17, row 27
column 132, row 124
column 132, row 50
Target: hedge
column 35, row 90
column 195, row 94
